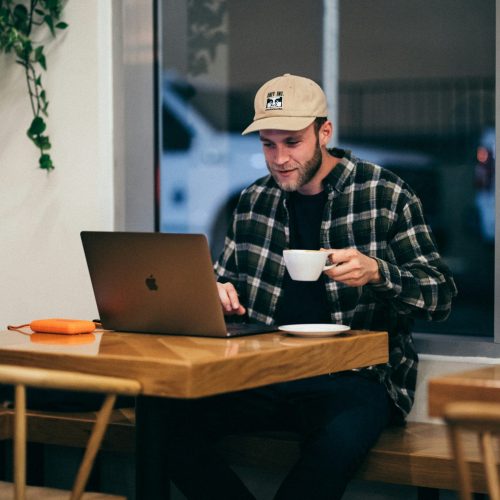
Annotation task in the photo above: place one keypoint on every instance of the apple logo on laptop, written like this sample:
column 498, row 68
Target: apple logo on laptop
column 151, row 283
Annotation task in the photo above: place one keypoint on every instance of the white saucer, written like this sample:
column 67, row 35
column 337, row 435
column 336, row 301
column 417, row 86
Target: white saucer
column 314, row 329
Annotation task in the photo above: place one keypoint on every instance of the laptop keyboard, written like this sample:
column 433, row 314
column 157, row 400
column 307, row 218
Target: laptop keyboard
column 235, row 329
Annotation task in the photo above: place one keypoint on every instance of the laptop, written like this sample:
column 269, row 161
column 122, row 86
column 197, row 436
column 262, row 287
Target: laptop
column 158, row 283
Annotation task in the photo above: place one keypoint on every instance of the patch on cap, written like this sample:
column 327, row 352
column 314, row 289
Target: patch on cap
column 274, row 100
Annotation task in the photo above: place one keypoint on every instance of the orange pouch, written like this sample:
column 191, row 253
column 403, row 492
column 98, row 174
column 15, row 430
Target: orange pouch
column 64, row 326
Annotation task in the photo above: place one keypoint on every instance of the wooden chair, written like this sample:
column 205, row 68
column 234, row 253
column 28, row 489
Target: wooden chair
column 482, row 419
column 20, row 378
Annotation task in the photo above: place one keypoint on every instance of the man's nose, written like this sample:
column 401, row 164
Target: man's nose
column 281, row 155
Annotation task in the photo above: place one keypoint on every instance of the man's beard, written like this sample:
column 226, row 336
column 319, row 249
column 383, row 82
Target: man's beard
column 305, row 171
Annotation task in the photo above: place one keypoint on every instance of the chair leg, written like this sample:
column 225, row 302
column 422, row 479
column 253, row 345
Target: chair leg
column 490, row 467
column 93, row 446
column 20, row 443
column 427, row 493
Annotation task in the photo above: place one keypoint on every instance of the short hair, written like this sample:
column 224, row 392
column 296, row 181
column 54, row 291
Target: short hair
column 318, row 123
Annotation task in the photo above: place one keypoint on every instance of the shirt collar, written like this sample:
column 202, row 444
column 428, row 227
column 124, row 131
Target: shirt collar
column 338, row 178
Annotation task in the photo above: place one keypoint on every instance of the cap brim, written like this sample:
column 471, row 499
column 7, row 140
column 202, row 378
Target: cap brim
column 280, row 123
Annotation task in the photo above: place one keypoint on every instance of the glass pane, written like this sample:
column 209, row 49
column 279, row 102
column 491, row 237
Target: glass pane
column 417, row 89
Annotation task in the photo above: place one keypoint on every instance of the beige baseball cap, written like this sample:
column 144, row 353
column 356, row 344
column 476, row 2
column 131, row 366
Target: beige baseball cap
column 288, row 102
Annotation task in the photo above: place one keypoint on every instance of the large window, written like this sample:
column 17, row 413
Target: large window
column 415, row 94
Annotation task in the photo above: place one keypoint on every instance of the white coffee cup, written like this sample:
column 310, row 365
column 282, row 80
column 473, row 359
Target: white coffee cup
column 306, row 265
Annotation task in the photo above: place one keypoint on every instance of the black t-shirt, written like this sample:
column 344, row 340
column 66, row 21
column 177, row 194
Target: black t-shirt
column 304, row 301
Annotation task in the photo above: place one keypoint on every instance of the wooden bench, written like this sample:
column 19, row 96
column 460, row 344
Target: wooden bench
column 415, row 455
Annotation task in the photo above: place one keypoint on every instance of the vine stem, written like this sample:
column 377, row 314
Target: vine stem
column 32, row 9
column 36, row 94
column 27, row 67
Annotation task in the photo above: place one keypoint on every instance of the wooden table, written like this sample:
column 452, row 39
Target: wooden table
column 474, row 385
column 191, row 367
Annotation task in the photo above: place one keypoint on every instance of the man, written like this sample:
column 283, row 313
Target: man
column 387, row 272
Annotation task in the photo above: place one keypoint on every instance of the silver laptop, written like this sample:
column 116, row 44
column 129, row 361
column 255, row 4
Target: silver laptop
column 157, row 283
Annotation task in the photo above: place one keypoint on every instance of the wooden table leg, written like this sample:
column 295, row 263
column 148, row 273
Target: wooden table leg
column 152, row 478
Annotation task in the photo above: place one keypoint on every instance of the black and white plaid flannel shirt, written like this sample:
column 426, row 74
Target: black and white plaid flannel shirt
column 368, row 208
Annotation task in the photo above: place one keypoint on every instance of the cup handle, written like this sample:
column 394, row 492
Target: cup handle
column 330, row 266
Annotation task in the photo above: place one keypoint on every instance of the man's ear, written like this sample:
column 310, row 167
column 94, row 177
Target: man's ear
column 325, row 133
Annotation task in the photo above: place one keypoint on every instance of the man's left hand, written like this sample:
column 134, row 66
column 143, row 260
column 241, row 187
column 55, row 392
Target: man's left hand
column 353, row 268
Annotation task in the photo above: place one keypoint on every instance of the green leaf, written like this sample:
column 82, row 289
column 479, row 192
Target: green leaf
column 38, row 53
column 26, row 48
column 43, row 142
column 21, row 21
column 20, row 11
column 45, row 162
column 50, row 23
column 43, row 62
column 37, row 127
column 21, row 54
column 52, row 4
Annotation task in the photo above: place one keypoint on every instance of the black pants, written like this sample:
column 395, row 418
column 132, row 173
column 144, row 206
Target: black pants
column 339, row 418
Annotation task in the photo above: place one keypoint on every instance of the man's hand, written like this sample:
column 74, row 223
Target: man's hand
column 229, row 299
column 353, row 268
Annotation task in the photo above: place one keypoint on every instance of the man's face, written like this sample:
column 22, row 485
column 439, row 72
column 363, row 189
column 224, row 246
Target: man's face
column 293, row 158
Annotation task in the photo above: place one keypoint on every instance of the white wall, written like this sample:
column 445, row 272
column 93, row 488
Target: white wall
column 42, row 267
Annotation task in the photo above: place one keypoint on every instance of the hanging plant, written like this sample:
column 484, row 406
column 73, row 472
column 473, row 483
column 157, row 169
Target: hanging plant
column 18, row 20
